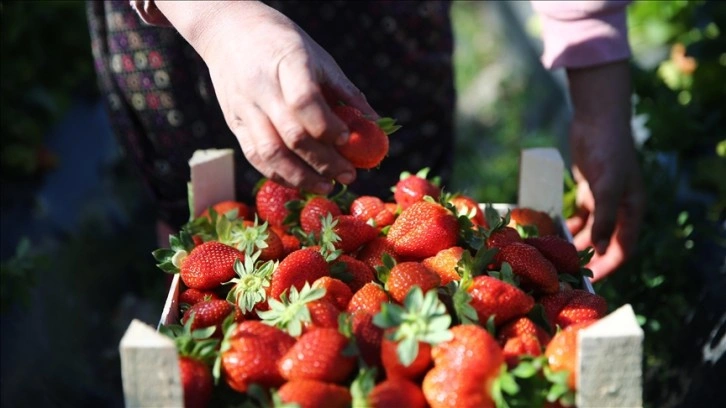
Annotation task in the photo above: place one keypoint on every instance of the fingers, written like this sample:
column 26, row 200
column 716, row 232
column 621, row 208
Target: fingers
column 340, row 88
column 607, row 197
column 301, row 92
column 603, row 265
column 265, row 150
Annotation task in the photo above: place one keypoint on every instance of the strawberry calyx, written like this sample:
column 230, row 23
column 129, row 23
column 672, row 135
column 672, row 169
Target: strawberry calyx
column 530, row 383
column 169, row 259
column 362, row 386
column 291, row 312
column 246, row 238
column 329, row 238
column 421, row 318
column 384, row 271
column 196, row 344
column 388, row 125
column 252, row 282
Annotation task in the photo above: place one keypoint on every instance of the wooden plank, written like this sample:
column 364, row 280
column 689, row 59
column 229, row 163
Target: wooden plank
column 170, row 313
column 212, row 177
column 149, row 368
column 610, row 354
column 541, row 180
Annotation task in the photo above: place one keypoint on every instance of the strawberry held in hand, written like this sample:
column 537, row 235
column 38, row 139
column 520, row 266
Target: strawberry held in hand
column 367, row 145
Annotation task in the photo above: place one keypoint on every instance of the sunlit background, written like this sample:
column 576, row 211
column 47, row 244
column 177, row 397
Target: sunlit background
column 77, row 227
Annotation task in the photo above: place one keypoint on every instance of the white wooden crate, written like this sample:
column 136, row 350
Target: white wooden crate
column 149, row 362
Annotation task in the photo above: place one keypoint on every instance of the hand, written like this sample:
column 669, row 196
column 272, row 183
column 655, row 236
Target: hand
column 272, row 80
column 610, row 195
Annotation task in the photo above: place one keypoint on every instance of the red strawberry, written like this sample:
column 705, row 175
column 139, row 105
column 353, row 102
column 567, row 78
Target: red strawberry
column 529, row 217
column 457, row 379
column 353, row 233
column 372, row 252
column 197, row 382
column 337, row 292
column 501, row 237
column 405, row 275
column 368, row 299
column 466, row 205
column 299, row 267
column 521, row 337
column 367, row 144
column 368, row 208
column 493, row 297
column 561, row 352
column 365, row 303
column 209, row 313
column 290, row 242
column 412, row 188
column 522, row 327
column 318, row 355
column 192, row 296
column 569, row 307
column 315, row 209
column 255, row 234
column 226, row 207
column 535, row 272
column 270, row 202
column 422, row 230
column 209, row 265
column 561, row 252
column 396, row 393
column 356, row 272
column 323, row 314
column 315, row 394
column 444, row 264
column 393, row 366
column 253, row 349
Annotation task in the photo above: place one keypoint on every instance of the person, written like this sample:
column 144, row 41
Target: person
column 259, row 77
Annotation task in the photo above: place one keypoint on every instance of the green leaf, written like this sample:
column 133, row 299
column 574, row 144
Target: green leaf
column 407, row 350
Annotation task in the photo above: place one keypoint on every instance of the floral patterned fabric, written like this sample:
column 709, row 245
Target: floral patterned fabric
column 162, row 105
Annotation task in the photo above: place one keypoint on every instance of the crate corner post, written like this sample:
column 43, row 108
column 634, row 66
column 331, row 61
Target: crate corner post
column 541, row 182
column 610, row 354
column 149, row 368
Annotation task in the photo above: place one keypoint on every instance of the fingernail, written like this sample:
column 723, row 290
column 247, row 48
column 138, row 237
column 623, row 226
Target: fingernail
column 345, row 178
column 343, row 138
column 323, row 188
column 601, row 247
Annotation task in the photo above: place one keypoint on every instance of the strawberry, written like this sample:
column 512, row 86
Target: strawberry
column 351, row 231
column 466, row 205
column 356, row 273
column 411, row 330
column 493, row 297
column 367, row 144
column 318, row 355
column 390, row 393
column 457, row 379
column 521, row 337
column 502, row 237
column 197, row 382
column 337, row 292
column 196, row 354
column 569, row 307
column 372, row 209
column 372, row 252
column 294, row 311
column 561, row 352
column 528, row 217
column 561, row 252
column 209, row 265
column 323, row 314
column 313, row 210
column 516, row 347
column 251, row 286
column 250, row 352
column 392, row 364
column 314, row 394
column 208, row 313
column 403, row 276
column 422, row 230
column 299, row 267
column 230, row 208
column 270, row 201
column 412, row 188
column 368, row 299
column 534, row 271
column 290, row 242
column 192, row 296
column 444, row 264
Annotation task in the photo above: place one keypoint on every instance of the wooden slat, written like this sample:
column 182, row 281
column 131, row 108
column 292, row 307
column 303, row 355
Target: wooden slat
column 149, row 368
column 541, row 180
column 610, row 354
column 212, row 177
column 170, row 313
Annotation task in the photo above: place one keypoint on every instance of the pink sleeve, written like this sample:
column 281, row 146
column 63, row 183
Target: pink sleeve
column 149, row 13
column 583, row 33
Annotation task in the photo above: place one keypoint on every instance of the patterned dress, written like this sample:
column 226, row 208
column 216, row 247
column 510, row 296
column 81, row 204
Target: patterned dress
column 162, row 105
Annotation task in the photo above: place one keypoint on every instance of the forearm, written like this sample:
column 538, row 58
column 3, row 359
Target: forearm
column 601, row 94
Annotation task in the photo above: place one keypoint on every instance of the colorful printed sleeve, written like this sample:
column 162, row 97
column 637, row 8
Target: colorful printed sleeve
column 583, row 33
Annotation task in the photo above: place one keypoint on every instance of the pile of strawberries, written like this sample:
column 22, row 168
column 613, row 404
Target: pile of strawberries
column 426, row 299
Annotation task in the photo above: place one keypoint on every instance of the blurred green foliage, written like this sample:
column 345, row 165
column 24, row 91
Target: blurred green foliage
column 46, row 55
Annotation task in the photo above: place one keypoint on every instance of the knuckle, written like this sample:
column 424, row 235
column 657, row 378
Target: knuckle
column 302, row 100
column 294, row 137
